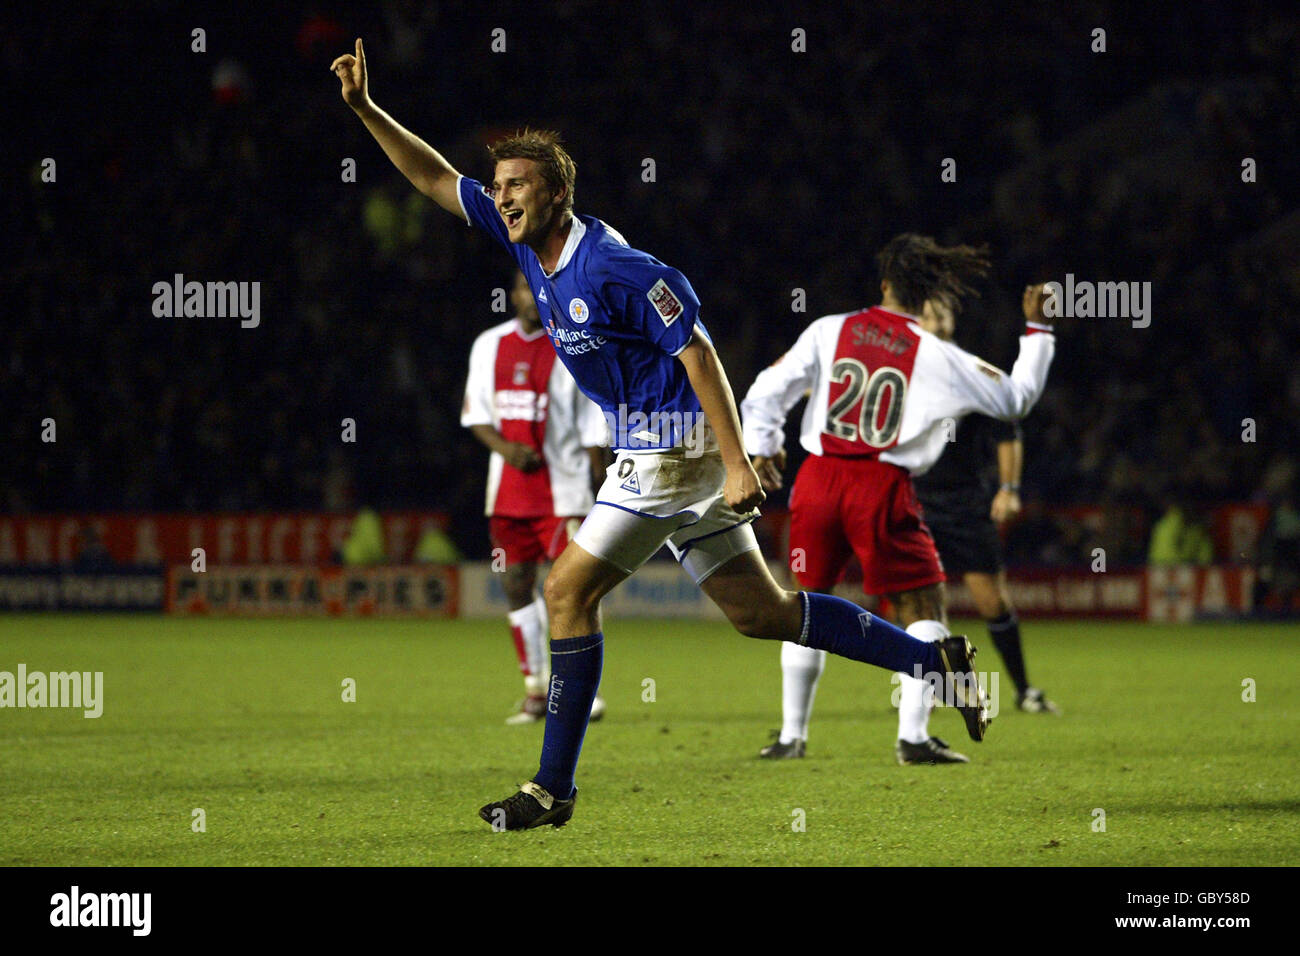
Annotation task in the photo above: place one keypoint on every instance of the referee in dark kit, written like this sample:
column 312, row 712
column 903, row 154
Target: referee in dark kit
column 963, row 509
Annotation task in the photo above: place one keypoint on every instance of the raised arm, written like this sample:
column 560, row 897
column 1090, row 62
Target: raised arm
column 709, row 381
column 419, row 162
column 976, row 386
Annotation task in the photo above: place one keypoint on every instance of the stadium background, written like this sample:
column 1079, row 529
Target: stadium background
column 775, row 171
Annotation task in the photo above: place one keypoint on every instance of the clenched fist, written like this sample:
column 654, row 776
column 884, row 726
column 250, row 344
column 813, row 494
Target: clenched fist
column 521, row 456
column 742, row 491
column 769, row 470
column 1006, row 505
column 1033, row 304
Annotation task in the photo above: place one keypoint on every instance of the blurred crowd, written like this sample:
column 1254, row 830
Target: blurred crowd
column 775, row 169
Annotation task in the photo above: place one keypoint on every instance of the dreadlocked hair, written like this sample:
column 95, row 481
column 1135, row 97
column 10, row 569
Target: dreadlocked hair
column 918, row 268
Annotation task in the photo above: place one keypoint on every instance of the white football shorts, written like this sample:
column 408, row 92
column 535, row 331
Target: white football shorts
column 652, row 498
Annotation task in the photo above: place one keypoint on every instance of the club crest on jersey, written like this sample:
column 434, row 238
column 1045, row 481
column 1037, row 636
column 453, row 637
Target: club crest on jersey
column 578, row 311
column 627, row 471
column 665, row 302
column 521, row 373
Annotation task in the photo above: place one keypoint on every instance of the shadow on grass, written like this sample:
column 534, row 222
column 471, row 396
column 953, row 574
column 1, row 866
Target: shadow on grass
column 1227, row 806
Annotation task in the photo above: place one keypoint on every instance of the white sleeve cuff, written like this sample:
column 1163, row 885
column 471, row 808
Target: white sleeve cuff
column 463, row 211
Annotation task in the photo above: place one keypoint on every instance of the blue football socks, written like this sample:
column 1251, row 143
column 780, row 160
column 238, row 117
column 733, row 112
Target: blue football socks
column 842, row 627
column 575, row 675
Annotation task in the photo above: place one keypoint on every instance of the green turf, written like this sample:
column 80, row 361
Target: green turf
column 245, row 720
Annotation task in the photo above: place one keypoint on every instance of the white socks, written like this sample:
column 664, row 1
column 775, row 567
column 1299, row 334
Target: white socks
column 800, row 669
column 916, row 697
column 543, row 644
column 528, row 628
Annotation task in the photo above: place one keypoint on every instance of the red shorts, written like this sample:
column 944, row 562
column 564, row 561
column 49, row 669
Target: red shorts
column 840, row 507
column 530, row 540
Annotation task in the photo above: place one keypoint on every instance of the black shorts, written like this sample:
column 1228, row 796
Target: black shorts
column 965, row 535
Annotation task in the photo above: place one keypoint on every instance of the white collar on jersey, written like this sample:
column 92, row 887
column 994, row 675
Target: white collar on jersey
column 901, row 315
column 577, row 230
column 519, row 331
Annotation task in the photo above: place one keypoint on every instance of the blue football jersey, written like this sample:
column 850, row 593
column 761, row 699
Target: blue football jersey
column 617, row 317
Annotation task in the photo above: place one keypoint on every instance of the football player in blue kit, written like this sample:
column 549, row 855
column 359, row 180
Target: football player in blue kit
column 627, row 327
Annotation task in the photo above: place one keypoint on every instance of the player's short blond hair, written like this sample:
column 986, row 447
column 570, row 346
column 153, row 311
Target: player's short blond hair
column 542, row 146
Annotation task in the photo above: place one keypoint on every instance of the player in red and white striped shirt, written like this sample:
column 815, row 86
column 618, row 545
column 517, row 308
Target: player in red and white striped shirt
column 885, row 397
column 547, row 440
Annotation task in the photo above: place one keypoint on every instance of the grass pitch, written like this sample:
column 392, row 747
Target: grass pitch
column 245, row 720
